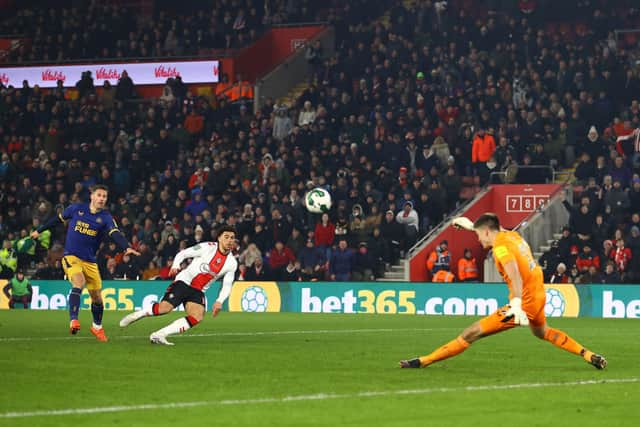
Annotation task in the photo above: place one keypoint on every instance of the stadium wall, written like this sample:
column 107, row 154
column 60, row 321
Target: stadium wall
column 474, row 299
column 511, row 202
column 272, row 49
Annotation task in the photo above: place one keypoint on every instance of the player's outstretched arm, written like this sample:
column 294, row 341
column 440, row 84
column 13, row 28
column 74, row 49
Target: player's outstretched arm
column 120, row 240
column 56, row 219
column 190, row 252
column 50, row 223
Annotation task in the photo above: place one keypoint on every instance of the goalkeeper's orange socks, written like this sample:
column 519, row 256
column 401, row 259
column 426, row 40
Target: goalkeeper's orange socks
column 565, row 342
column 448, row 350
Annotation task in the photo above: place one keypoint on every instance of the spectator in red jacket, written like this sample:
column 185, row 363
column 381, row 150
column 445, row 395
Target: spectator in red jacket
column 586, row 259
column 325, row 232
column 621, row 256
column 279, row 257
column 164, row 271
column 198, row 178
column 194, row 123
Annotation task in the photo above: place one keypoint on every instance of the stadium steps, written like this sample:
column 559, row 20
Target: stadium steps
column 293, row 95
column 395, row 274
column 543, row 249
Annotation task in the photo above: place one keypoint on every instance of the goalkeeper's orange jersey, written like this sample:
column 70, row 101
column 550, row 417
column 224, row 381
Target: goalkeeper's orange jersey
column 508, row 246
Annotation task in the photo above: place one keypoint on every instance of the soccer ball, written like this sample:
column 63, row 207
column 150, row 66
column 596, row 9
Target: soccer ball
column 318, row 200
column 555, row 304
column 254, row 300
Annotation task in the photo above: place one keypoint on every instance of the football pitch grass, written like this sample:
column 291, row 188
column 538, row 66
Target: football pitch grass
column 286, row 369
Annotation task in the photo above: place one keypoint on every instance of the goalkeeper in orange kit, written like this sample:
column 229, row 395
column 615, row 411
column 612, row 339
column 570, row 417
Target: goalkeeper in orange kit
column 523, row 275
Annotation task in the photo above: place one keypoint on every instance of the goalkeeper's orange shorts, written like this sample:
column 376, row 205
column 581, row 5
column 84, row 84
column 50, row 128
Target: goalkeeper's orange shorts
column 495, row 323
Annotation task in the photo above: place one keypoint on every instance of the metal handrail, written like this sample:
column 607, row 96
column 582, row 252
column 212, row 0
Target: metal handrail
column 554, row 173
column 498, row 173
column 549, row 167
column 627, row 30
column 299, row 24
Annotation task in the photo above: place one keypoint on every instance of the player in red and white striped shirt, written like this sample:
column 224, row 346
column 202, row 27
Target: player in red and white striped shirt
column 210, row 261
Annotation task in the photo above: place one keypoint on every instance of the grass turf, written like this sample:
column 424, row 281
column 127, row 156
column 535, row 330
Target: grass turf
column 239, row 367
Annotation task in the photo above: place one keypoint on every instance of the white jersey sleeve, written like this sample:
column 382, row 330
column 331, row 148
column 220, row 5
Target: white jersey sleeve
column 191, row 252
column 208, row 265
column 227, row 282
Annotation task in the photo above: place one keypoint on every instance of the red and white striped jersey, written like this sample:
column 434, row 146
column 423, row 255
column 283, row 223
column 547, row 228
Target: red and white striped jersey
column 208, row 265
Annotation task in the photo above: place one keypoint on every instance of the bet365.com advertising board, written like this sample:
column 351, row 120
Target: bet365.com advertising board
column 474, row 299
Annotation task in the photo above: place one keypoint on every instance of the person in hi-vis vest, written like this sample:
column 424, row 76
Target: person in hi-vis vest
column 467, row 267
column 439, row 259
column 443, row 276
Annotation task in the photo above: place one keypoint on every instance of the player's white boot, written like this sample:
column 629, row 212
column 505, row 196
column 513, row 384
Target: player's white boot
column 132, row 317
column 156, row 338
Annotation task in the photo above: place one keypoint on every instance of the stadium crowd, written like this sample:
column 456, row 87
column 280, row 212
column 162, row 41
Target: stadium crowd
column 391, row 124
column 95, row 29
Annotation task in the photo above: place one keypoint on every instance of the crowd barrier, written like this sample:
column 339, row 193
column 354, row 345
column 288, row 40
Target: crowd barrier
column 474, row 299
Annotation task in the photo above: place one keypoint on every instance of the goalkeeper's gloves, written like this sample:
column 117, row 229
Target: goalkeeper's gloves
column 515, row 312
column 462, row 223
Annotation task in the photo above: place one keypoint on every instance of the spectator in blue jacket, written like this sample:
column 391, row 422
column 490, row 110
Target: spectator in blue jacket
column 341, row 263
column 364, row 264
column 312, row 261
column 197, row 203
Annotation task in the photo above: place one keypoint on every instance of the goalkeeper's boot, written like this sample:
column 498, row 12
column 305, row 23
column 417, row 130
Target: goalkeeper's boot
column 411, row 363
column 156, row 338
column 99, row 334
column 74, row 326
column 598, row 361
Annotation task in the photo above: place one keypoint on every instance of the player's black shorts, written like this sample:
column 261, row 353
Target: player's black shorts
column 180, row 293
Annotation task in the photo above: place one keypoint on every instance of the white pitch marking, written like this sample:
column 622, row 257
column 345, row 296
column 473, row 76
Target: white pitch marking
column 267, row 333
column 233, row 334
column 308, row 397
